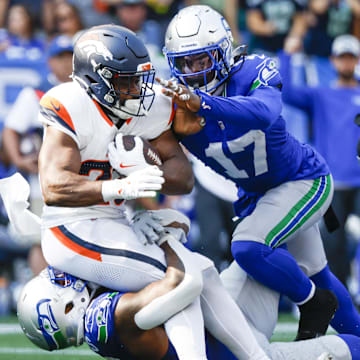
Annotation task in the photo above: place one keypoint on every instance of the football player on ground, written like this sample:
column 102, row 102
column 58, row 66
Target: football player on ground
column 285, row 187
column 56, row 311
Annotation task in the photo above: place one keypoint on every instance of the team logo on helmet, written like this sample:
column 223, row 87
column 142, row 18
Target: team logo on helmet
column 48, row 325
column 91, row 47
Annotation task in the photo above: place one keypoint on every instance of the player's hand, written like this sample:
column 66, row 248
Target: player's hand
column 181, row 95
column 177, row 234
column 140, row 183
column 124, row 161
column 147, row 226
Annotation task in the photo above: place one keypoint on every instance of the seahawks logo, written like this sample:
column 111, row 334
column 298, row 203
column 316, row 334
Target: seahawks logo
column 267, row 70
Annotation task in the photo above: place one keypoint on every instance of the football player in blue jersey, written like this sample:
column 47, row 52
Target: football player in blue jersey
column 231, row 105
column 56, row 311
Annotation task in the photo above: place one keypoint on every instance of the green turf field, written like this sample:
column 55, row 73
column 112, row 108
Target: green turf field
column 15, row 346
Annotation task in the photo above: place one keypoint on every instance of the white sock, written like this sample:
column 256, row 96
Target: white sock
column 224, row 319
column 185, row 331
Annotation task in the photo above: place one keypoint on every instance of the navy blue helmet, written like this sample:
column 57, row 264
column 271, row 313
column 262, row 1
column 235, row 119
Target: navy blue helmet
column 114, row 67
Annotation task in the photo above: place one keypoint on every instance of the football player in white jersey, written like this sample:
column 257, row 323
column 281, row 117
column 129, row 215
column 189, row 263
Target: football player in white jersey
column 84, row 229
column 112, row 92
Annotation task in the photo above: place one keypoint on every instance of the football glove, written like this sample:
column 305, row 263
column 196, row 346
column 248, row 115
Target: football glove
column 139, row 184
column 126, row 161
column 147, row 227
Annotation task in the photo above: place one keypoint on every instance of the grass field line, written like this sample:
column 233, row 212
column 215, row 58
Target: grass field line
column 7, row 329
column 285, row 327
column 32, row 351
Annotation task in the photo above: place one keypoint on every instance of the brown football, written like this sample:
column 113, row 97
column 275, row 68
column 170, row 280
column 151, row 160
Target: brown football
column 151, row 155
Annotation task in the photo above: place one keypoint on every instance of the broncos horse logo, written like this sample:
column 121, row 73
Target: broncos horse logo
column 91, row 47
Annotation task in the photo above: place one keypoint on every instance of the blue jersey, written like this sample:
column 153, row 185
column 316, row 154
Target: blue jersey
column 245, row 138
column 100, row 332
column 332, row 111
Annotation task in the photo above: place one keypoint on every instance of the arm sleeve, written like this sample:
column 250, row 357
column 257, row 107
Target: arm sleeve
column 256, row 111
column 298, row 96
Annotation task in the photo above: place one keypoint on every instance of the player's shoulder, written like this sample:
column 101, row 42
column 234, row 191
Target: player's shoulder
column 68, row 93
column 256, row 70
column 70, row 98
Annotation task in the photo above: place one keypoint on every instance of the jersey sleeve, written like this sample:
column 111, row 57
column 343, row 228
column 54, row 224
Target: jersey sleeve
column 257, row 109
column 66, row 113
column 100, row 332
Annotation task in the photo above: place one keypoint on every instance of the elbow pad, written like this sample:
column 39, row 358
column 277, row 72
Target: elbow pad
column 162, row 308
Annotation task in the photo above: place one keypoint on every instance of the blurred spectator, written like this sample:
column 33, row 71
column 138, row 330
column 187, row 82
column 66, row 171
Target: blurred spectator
column 274, row 24
column 234, row 12
column 61, row 18
column 332, row 111
column 327, row 20
column 22, row 118
column 133, row 14
column 162, row 11
column 93, row 12
column 19, row 33
column 34, row 7
column 21, row 136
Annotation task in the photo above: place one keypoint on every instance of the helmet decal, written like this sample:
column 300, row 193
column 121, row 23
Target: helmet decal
column 48, row 325
column 91, row 47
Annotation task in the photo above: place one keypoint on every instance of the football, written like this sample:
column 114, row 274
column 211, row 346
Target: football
column 151, row 155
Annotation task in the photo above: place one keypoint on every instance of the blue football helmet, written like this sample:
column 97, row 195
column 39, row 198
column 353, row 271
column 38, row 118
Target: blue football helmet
column 198, row 46
column 114, row 67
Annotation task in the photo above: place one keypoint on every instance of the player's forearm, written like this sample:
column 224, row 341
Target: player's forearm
column 70, row 190
column 257, row 111
column 179, row 178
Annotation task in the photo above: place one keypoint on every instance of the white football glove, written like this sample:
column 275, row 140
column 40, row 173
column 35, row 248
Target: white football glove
column 147, row 227
column 126, row 161
column 139, row 184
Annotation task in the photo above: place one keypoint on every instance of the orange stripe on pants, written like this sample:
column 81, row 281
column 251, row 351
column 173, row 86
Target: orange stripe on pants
column 75, row 247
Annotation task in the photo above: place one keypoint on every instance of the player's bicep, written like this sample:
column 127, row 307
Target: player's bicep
column 59, row 153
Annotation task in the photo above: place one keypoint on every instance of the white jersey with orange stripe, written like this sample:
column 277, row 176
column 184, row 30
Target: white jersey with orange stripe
column 71, row 110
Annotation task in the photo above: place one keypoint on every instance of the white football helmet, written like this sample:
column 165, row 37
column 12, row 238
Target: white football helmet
column 198, row 46
column 51, row 310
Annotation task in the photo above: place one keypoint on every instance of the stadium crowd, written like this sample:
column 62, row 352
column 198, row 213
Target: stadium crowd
column 36, row 40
